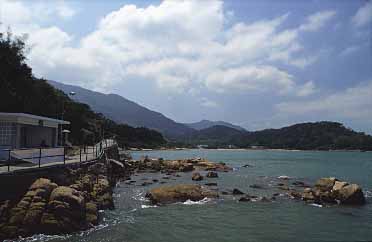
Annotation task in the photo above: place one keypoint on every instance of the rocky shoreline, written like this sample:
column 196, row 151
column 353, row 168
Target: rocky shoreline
column 325, row 191
column 50, row 208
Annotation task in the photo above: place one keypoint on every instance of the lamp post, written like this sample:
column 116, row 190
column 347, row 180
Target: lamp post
column 63, row 112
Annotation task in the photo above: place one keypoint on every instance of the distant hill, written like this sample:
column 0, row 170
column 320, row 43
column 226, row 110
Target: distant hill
column 122, row 110
column 305, row 136
column 204, row 124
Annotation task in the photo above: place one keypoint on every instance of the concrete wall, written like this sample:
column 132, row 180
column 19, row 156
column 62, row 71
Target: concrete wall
column 35, row 135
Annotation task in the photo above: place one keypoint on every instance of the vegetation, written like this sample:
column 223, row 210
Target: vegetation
column 306, row 136
column 21, row 91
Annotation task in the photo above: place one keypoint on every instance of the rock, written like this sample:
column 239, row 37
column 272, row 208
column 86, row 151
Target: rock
column 197, row 177
column 308, row 195
column 245, row 199
column 237, row 192
column 186, row 167
column 351, row 195
column 211, row 184
column 91, row 213
column 179, row 193
column 44, row 184
column 212, row 174
column 339, row 185
column 146, row 183
column 299, row 184
column 284, row 177
column 102, row 194
column 155, row 180
column 256, row 186
column 263, row 199
column 224, row 193
column 325, row 184
column 66, row 211
column 293, row 194
column 284, row 188
column 247, row 165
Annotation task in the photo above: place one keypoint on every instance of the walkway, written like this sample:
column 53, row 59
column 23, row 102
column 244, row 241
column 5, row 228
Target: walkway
column 90, row 153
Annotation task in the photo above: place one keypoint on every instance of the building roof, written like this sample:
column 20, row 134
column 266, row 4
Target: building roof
column 31, row 116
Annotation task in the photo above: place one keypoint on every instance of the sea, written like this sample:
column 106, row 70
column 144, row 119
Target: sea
column 226, row 219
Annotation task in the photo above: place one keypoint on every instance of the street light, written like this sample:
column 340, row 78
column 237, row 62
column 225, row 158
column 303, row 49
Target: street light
column 63, row 111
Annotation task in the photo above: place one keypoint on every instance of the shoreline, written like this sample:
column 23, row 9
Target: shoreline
column 245, row 149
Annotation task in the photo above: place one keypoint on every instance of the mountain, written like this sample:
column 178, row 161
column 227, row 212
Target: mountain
column 204, row 124
column 323, row 135
column 122, row 110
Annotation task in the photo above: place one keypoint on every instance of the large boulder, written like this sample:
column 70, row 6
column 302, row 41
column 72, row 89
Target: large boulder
column 27, row 213
column 179, row 193
column 102, row 194
column 325, row 184
column 351, row 194
column 339, row 185
column 331, row 190
column 66, row 211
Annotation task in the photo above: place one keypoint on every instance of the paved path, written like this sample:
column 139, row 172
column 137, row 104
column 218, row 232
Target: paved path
column 89, row 156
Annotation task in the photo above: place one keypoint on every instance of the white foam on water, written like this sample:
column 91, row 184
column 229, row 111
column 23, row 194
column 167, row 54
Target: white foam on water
column 41, row 237
column 284, row 177
column 368, row 194
column 203, row 201
column 316, row 205
column 148, row 206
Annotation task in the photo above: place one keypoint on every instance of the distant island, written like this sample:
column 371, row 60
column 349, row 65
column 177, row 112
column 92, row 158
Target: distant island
column 323, row 135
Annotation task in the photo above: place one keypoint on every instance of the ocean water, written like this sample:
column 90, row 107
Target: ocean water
column 226, row 219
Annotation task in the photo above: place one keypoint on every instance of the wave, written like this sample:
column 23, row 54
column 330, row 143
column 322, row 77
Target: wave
column 203, row 201
column 148, row 206
column 316, row 205
column 284, row 177
column 41, row 237
column 368, row 194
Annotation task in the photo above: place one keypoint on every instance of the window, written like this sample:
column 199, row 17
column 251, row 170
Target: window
column 7, row 132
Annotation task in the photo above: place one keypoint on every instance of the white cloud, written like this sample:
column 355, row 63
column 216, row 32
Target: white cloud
column 180, row 46
column 349, row 50
column 251, row 78
column 364, row 15
column 64, row 10
column 205, row 102
column 318, row 20
column 307, row 89
column 354, row 102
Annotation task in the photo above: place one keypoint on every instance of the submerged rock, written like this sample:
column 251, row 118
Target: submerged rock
column 212, row 174
column 179, row 193
column 237, row 192
column 256, row 186
column 211, row 184
column 197, row 177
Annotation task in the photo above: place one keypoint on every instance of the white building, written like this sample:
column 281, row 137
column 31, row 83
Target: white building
column 21, row 130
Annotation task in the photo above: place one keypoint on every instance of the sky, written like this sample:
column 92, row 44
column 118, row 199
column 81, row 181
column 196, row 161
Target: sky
column 258, row 64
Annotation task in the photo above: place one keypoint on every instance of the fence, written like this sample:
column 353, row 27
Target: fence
column 42, row 156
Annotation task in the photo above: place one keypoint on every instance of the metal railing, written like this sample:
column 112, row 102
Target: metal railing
column 44, row 156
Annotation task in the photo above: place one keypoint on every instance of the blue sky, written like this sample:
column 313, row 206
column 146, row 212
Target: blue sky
column 259, row 64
